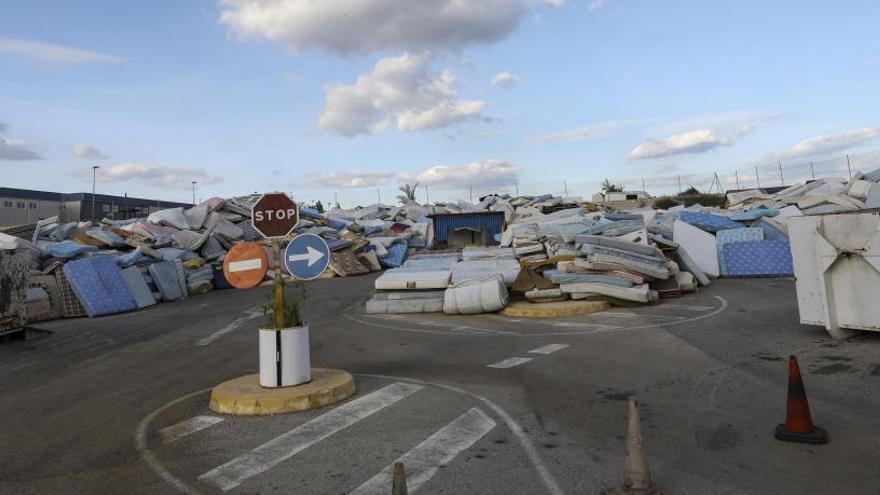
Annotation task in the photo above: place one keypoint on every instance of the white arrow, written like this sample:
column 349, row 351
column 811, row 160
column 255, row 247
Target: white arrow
column 311, row 254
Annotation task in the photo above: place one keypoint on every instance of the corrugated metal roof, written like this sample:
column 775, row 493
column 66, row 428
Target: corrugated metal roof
column 491, row 221
column 8, row 192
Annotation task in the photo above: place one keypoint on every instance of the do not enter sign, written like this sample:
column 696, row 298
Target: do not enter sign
column 275, row 214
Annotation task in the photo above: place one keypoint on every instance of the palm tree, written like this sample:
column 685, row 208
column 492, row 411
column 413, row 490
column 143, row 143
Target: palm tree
column 608, row 187
column 408, row 193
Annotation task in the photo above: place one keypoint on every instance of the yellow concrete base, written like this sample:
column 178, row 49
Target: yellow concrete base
column 245, row 396
column 553, row 309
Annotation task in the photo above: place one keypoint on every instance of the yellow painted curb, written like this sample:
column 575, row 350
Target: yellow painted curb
column 553, row 309
column 245, row 396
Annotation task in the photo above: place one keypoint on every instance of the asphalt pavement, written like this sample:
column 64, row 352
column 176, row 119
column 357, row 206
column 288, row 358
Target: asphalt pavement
column 471, row 404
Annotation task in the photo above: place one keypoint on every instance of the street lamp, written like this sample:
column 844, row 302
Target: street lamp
column 94, row 175
column 194, row 191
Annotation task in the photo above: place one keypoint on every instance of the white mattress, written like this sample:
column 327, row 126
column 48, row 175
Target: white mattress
column 466, row 270
column 402, row 278
column 700, row 246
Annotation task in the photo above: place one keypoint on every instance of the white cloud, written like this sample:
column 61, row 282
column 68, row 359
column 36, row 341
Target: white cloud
column 83, row 150
column 823, row 145
column 595, row 5
column 505, row 80
column 158, row 176
column 485, row 134
column 367, row 26
column 554, row 3
column 588, row 133
column 402, row 90
column 49, row 53
column 699, row 141
column 480, row 174
column 293, row 78
column 348, row 180
column 873, row 61
column 15, row 150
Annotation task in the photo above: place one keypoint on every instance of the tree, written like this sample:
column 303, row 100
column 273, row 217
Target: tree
column 408, row 193
column 319, row 206
column 608, row 187
column 691, row 191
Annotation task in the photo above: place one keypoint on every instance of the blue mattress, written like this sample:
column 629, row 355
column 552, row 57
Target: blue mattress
column 709, row 222
column 395, row 257
column 99, row 286
column 723, row 237
column 754, row 214
column 758, row 259
column 167, row 279
column 771, row 232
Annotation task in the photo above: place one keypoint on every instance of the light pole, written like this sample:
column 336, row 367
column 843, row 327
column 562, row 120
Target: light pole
column 94, row 175
column 194, row 191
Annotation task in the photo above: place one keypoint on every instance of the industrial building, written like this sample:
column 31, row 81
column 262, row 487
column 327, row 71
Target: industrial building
column 24, row 206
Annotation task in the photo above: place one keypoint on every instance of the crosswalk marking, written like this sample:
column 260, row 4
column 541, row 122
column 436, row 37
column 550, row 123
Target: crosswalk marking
column 422, row 462
column 184, row 428
column 549, row 349
column 287, row 445
column 509, row 362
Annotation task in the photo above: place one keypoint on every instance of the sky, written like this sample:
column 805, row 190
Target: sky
column 345, row 100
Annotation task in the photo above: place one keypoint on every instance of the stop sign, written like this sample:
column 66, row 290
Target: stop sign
column 275, row 214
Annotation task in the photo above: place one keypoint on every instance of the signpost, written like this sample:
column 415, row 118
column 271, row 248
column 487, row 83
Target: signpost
column 307, row 256
column 276, row 215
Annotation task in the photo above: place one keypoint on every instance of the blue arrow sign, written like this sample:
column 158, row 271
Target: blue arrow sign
column 307, row 256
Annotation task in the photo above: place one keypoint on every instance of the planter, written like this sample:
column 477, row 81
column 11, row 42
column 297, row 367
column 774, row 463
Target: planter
column 284, row 356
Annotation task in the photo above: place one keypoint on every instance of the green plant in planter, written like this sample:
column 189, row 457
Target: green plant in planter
column 292, row 307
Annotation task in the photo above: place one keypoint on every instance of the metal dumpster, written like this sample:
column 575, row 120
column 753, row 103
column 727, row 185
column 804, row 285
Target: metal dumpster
column 837, row 266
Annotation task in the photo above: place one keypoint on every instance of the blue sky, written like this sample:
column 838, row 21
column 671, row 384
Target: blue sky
column 318, row 97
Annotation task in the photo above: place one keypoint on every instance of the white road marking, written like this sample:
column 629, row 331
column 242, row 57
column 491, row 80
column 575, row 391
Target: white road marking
column 549, row 348
column 641, row 315
column 689, row 308
column 509, row 362
column 583, row 324
column 184, row 428
column 287, row 445
column 228, row 328
column 425, row 459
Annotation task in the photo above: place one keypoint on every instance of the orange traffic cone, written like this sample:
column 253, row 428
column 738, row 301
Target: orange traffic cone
column 798, row 426
column 638, row 474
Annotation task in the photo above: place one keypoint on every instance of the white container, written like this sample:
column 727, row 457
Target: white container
column 284, row 357
column 837, row 269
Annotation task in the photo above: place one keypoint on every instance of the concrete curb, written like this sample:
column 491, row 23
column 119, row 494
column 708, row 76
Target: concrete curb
column 245, row 396
column 554, row 309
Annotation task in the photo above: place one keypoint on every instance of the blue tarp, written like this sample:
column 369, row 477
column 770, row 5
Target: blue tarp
column 759, row 259
column 99, row 286
column 395, row 257
column 709, row 222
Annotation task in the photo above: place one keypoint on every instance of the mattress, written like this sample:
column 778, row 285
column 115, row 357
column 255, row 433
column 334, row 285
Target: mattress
column 700, row 246
column 759, row 259
column 709, row 222
column 394, row 303
column 344, row 263
column 165, row 276
column 136, row 284
column 638, row 293
column 465, row 270
column 99, row 286
column 471, row 297
column 396, row 255
column 558, row 277
column 445, row 262
column 70, row 305
column 723, row 237
column 402, row 278
column 50, row 284
column 754, row 214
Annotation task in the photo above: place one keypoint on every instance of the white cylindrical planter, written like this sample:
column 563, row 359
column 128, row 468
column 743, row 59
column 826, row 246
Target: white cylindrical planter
column 284, row 357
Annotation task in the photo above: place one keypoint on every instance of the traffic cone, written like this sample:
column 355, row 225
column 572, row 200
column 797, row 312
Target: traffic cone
column 638, row 474
column 398, row 484
column 798, row 426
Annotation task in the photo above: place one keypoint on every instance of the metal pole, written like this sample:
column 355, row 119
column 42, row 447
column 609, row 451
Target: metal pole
column 848, row 168
column 94, row 175
column 427, row 198
column 378, row 196
column 517, row 188
column 194, row 191
column 335, row 199
column 279, row 286
column 737, row 178
column 679, row 185
column 757, row 178
column 125, row 206
column 471, row 191
column 812, row 171
column 564, row 189
column 781, row 181
column 643, row 184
